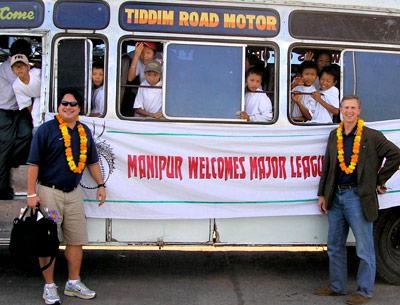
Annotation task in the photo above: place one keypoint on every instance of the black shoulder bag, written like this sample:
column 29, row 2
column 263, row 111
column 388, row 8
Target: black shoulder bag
column 35, row 237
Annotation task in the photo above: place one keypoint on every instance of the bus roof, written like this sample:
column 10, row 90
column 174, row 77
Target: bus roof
column 369, row 5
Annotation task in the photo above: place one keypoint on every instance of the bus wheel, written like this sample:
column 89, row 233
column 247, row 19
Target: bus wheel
column 387, row 245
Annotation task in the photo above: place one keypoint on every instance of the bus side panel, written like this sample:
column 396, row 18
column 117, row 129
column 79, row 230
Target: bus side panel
column 168, row 231
column 301, row 230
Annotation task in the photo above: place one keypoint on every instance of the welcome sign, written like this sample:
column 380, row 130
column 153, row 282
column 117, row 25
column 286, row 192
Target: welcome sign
column 158, row 170
column 21, row 14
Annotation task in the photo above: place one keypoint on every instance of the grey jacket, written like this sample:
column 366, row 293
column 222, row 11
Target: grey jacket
column 374, row 148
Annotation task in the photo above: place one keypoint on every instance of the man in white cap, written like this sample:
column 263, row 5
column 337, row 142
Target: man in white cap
column 16, row 125
column 27, row 86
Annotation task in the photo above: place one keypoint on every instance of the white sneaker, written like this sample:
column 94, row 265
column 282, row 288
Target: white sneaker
column 50, row 295
column 79, row 290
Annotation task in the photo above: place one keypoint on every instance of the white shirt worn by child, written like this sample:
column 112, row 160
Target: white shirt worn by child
column 258, row 106
column 321, row 114
column 149, row 99
column 306, row 100
column 25, row 92
column 98, row 100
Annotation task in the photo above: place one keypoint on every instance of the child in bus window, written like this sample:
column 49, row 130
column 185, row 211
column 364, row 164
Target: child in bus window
column 98, row 89
column 327, row 98
column 258, row 106
column 27, row 86
column 145, row 52
column 148, row 101
column 323, row 59
column 303, row 105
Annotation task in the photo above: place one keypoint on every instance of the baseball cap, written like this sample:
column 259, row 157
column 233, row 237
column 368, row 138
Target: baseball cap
column 19, row 58
column 154, row 66
column 151, row 45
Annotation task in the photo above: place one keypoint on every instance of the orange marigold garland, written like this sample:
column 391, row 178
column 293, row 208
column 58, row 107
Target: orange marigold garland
column 356, row 147
column 68, row 150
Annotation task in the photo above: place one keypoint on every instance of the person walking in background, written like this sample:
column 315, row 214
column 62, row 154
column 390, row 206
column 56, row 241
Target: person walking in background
column 353, row 175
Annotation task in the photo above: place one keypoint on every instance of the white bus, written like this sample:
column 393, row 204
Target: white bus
column 201, row 175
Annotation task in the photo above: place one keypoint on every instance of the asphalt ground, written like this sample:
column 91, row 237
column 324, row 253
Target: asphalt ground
column 163, row 277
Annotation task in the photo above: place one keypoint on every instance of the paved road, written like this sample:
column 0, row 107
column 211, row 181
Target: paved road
column 189, row 278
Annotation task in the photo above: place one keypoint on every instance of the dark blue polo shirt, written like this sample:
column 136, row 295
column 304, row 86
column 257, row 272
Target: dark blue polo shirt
column 48, row 152
column 348, row 141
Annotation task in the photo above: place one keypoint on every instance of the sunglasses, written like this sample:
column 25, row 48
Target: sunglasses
column 72, row 104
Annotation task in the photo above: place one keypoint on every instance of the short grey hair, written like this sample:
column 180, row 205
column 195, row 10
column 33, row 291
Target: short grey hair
column 351, row 97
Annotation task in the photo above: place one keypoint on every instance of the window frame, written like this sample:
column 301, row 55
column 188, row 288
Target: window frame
column 53, row 104
column 165, row 39
column 310, row 46
column 202, row 119
column 360, row 50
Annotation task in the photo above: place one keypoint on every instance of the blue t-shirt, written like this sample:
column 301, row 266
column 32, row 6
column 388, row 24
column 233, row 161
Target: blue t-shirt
column 48, row 152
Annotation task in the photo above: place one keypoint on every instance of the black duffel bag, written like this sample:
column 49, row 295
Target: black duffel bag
column 35, row 236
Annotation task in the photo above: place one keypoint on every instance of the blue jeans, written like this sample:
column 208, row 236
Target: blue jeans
column 347, row 211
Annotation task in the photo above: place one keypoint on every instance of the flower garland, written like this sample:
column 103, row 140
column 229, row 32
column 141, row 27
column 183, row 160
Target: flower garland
column 356, row 147
column 67, row 143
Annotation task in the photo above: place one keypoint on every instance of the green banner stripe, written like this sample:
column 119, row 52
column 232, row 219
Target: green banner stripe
column 215, row 202
column 203, row 202
column 223, row 136
column 210, row 135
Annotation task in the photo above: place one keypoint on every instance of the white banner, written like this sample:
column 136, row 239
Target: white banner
column 164, row 170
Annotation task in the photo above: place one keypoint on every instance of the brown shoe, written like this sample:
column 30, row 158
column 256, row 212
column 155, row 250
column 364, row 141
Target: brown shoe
column 357, row 299
column 327, row 292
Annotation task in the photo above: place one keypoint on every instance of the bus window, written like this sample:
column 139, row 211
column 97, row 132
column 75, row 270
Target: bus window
column 204, row 81
column 191, row 86
column 315, row 81
column 373, row 76
column 85, row 72
column 132, row 75
column 262, row 59
column 22, row 94
column 98, row 97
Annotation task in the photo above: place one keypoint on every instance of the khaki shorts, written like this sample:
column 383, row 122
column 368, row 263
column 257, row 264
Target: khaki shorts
column 67, row 209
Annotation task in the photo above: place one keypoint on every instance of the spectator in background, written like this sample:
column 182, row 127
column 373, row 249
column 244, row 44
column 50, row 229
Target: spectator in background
column 145, row 52
column 303, row 105
column 27, row 87
column 98, row 89
column 323, row 59
column 148, row 101
column 327, row 98
column 258, row 106
column 15, row 125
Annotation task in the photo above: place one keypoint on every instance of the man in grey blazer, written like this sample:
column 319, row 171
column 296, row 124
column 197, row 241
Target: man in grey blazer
column 352, row 177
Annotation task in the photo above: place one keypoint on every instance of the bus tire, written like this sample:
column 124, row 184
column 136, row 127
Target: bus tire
column 387, row 245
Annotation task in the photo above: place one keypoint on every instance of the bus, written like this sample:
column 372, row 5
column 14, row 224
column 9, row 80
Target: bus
column 202, row 175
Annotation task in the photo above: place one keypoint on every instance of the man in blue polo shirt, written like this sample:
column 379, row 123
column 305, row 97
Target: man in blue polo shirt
column 61, row 149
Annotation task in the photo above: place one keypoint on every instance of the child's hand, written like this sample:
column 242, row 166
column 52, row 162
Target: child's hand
column 139, row 46
column 244, row 116
column 297, row 81
column 308, row 56
column 157, row 115
column 296, row 97
column 316, row 95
